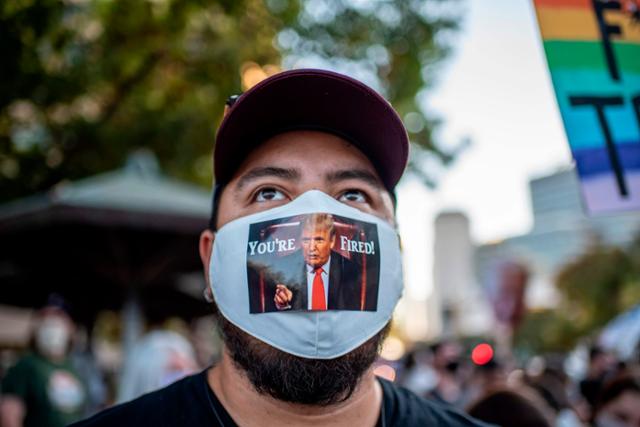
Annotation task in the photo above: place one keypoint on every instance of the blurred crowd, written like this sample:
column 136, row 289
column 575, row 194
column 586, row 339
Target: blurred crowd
column 539, row 392
column 62, row 378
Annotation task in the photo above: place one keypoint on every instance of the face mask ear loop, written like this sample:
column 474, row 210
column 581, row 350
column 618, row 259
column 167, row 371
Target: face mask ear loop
column 207, row 294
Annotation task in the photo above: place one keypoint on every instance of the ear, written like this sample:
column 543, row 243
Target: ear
column 205, row 247
column 333, row 241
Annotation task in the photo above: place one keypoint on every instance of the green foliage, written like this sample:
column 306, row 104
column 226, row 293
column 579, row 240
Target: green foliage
column 85, row 82
column 594, row 288
column 395, row 46
column 545, row 331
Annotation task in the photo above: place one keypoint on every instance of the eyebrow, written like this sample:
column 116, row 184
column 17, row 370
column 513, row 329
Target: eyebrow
column 361, row 174
column 268, row 171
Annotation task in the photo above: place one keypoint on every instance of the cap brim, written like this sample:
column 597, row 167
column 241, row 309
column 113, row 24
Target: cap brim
column 313, row 100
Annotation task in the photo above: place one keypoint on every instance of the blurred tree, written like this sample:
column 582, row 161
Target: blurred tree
column 395, row 46
column 545, row 331
column 84, row 82
column 594, row 288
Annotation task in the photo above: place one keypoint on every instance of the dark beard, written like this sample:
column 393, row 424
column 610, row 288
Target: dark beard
column 296, row 379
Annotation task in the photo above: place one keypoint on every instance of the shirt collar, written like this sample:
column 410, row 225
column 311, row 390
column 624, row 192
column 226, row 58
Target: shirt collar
column 325, row 267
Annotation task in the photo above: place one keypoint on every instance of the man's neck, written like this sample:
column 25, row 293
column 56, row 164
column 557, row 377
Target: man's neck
column 249, row 408
column 325, row 267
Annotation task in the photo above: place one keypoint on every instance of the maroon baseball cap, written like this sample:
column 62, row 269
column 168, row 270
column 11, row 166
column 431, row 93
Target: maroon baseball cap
column 310, row 99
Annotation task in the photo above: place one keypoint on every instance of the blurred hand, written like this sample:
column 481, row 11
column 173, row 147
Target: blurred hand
column 283, row 297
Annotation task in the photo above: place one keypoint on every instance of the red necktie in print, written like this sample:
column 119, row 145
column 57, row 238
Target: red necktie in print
column 317, row 297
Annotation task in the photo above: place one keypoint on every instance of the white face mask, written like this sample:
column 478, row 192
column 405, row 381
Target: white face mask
column 52, row 337
column 285, row 278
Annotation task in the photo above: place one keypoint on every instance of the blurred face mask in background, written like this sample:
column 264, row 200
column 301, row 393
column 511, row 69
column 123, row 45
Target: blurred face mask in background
column 52, row 337
column 452, row 366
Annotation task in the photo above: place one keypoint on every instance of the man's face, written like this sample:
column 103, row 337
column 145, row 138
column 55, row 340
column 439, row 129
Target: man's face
column 53, row 333
column 274, row 174
column 316, row 246
column 292, row 163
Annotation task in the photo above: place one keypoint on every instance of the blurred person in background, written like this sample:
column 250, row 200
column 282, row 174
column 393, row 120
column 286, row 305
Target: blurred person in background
column 618, row 404
column 483, row 379
column 83, row 360
column 447, row 363
column 418, row 375
column 157, row 360
column 43, row 388
column 510, row 408
column 601, row 365
column 553, row 385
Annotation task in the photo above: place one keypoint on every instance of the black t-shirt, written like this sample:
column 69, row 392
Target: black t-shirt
column 191, row 402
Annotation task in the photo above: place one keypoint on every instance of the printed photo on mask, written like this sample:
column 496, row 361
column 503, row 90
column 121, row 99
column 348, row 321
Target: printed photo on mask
column 313, row 262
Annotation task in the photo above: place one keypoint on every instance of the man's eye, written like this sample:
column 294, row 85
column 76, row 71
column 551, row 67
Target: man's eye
column 356, row 196
column 268, row 195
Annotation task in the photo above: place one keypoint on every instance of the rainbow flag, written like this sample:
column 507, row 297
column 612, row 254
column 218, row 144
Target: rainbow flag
column 593, row 51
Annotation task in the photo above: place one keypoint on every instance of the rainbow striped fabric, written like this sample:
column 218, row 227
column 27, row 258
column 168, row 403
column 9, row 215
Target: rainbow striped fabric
column 593, row 51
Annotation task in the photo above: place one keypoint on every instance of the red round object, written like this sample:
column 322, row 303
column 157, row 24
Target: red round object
column 482, row 354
